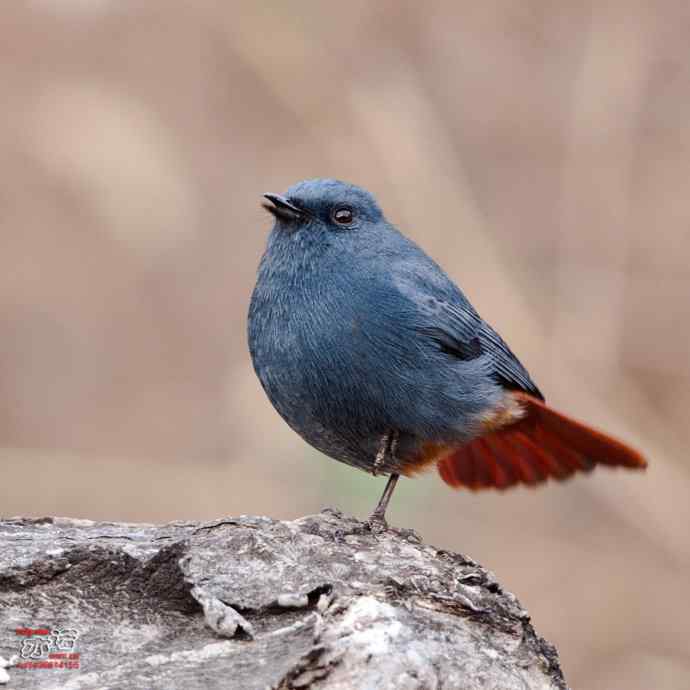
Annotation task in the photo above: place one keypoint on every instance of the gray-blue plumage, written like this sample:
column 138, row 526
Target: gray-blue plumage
column 354, row 331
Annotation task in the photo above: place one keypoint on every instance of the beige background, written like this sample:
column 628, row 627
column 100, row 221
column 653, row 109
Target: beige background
column 539, row 150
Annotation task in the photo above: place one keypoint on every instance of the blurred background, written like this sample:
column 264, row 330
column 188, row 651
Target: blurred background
column 540, row 151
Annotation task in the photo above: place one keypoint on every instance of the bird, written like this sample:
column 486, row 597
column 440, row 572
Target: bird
column 376, row 358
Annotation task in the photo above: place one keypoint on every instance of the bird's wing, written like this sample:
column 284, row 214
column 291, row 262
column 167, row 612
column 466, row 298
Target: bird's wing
column 448, row 317
column 462, row 332
column 507, row 367
column 459, row 330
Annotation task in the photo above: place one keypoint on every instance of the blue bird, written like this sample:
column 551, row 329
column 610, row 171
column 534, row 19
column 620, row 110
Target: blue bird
column 372, row 354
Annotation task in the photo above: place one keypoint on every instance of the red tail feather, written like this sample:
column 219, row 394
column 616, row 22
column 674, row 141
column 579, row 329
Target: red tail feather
column 542, row 443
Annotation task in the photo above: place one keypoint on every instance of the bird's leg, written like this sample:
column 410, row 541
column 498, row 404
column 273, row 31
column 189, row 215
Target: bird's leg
column 381, row 453
column 394, row 444
column 377, row 520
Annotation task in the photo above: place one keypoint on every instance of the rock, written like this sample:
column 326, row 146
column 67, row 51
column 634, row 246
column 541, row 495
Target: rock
column 254, row 603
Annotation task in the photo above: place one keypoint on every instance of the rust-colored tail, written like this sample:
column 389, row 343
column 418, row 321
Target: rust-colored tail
column 543, row 443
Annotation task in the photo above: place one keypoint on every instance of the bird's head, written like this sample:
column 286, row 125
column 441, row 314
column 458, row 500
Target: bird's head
column 323, row 204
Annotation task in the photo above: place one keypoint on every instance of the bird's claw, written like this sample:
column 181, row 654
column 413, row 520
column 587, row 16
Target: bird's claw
column 376, row 523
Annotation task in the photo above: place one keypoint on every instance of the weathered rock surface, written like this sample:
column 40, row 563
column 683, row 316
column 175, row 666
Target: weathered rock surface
column 250, row 602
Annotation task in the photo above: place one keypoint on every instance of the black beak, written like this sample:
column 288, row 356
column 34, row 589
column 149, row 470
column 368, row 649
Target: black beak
column 282, row 209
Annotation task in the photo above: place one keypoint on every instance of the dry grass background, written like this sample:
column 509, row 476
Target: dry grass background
column 539, row 150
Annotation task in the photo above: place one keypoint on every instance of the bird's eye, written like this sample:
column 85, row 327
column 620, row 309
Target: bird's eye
column 343, row 215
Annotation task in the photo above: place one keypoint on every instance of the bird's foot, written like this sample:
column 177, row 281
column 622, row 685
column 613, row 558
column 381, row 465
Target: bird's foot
column 376, row 523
